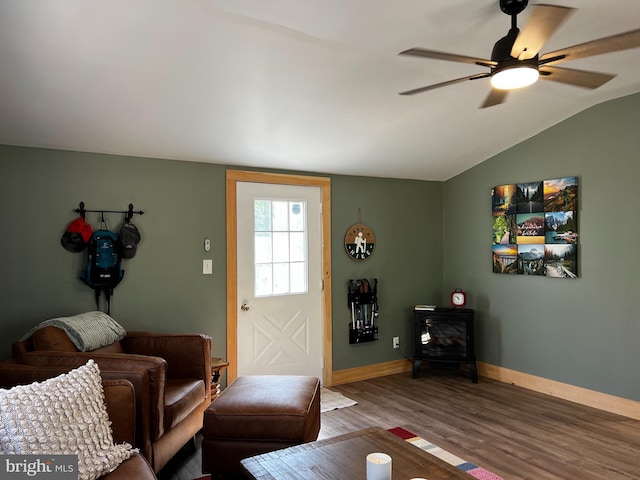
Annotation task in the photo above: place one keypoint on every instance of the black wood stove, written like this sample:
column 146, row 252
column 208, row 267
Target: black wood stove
column 444, row 336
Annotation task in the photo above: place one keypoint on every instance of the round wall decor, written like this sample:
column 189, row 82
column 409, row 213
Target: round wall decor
column 359, row 242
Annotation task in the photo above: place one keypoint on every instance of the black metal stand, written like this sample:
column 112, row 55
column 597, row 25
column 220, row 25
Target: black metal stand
column 362, row 300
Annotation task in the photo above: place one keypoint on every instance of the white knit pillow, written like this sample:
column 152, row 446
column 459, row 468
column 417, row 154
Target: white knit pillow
column 63, row 415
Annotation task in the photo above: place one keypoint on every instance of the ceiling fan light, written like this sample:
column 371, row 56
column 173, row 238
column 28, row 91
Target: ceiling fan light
column 514, row 77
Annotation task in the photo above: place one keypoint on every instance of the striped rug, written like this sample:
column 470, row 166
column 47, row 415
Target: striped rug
column 470, row 468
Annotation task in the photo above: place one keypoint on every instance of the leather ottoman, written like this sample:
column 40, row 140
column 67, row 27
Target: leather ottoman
column 258, row 414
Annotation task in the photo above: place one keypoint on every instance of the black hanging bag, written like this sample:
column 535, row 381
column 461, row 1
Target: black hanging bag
column 103, row 271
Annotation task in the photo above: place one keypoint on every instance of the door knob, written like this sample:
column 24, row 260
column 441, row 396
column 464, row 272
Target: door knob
column 244, row 307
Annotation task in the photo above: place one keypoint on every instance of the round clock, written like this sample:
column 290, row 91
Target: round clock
column 458, row 298
column 359, row 242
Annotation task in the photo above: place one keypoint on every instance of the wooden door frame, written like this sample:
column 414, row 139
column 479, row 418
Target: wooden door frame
column 234, row 176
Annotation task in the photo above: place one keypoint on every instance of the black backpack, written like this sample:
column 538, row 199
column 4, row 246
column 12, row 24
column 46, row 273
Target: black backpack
column 103, row 271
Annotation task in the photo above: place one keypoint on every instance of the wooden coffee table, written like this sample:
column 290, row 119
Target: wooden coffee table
column 345, row 457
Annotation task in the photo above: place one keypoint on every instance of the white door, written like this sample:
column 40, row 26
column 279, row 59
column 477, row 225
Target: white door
column 279, row 281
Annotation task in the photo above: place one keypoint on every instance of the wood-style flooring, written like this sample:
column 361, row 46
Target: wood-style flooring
column 513, row 432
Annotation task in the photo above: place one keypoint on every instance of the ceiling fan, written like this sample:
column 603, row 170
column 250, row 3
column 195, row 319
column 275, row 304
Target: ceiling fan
column 516, row 61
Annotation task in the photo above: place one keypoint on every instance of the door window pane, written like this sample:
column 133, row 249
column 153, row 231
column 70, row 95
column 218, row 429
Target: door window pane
column 297, row 217
column 262, row 215
column 280, row 246
column 263, row 249
column 280, row 278
column 280, row 216
column 264, row 280
column 297, row 247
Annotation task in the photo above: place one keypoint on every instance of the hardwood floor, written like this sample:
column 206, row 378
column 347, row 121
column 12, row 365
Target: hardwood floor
column 511, row 431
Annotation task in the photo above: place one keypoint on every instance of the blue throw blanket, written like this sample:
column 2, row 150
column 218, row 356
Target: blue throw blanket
column 87, row 331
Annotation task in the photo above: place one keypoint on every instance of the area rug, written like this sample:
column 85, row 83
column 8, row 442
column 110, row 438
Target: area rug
column 450, row 458
column 330, row 400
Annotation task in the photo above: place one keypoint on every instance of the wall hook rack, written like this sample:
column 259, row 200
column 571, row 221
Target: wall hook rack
column 128, row 213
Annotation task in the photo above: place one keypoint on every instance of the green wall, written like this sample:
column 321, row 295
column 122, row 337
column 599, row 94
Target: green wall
column 183, row 203
column 583, row 332
column 406, row 218
column 163, row 288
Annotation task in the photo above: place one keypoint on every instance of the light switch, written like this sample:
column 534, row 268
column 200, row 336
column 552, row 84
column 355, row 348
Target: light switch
column 207, row 267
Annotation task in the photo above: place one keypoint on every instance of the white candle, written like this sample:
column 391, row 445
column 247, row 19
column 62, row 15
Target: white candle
column 378, row 466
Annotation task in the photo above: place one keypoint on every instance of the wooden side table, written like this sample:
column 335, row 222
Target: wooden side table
column 217, row 366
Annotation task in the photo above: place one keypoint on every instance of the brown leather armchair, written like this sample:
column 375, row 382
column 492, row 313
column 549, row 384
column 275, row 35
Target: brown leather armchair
column 171, row 375
column 120, row 400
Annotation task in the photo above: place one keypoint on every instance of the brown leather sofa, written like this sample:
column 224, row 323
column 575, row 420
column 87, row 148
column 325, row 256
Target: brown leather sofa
column 120, row 401
column 171, row 375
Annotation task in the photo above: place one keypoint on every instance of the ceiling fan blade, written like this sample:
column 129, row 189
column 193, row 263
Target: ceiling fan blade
column 577, row 78
column 444, row 84
column 452, row 57
column 543, row 22
column 495, row 97
column 614, row 43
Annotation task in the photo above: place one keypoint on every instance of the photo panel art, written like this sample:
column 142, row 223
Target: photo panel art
column 535, row 228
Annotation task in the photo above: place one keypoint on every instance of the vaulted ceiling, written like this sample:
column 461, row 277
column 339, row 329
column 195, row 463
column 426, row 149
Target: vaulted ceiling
column 305, row 85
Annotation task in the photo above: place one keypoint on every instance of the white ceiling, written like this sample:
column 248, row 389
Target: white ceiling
column 309, row 85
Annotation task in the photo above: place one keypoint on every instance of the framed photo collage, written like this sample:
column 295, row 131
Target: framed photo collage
column 535, row 228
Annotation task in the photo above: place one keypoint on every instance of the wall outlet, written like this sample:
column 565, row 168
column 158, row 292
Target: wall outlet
column 396, row 342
